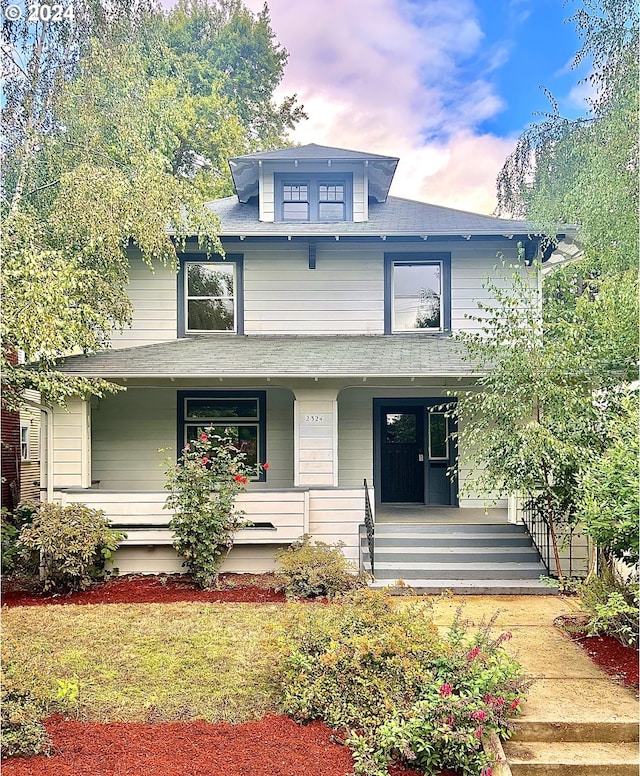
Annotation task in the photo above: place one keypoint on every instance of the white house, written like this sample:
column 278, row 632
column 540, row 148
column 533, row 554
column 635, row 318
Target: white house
column 323, row 339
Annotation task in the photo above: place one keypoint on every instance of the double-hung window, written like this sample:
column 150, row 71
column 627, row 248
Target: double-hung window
column 25, row 442
column 417, row 292
column 314, row 197
column 210, row 292
column 239, row 415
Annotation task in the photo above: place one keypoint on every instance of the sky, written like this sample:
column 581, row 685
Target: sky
column 445, row 85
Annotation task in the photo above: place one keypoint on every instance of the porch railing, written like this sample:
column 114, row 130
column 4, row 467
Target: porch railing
column 370, row 526
column 573, row 546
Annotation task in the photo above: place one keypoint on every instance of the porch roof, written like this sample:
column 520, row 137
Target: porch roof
column 281, row 356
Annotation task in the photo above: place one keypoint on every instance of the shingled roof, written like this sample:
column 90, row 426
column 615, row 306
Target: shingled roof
column 394, row 218
column 261, row 356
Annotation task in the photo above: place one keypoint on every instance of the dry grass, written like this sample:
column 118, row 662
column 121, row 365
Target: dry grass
column 153, row 662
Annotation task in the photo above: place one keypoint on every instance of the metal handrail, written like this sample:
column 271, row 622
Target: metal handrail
column 370, row 526
column 537, row 526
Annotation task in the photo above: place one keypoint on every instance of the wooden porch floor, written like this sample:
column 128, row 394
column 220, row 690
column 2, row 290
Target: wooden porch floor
column 412, row 513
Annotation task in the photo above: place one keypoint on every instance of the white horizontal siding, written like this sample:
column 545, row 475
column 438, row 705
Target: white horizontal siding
column 344, row 294
column 71, row 445
column 130, row 428
column 153, row 295
column 165, row 560
column 335, row 516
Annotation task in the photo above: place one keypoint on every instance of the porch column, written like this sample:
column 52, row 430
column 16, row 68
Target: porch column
column 315, row 437
column 72, row 445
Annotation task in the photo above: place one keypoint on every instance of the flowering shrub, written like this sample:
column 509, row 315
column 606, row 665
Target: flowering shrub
column 382, row 672
column 203, row 485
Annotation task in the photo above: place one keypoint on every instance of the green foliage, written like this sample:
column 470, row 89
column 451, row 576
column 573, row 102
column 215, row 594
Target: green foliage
column 203, row 485
column 22, row 706
column 609, row 497
column 116, row 128
column 613, row 607
column 315, row 569
column 383, row 673
column 10, row 527
column 73, row 543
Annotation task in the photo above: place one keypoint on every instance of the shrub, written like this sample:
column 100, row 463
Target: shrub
column 309, row 570
column 613, row 607
column 73, row 543
column 10, row 527
column 203, row 485
column 402, row 691
column 21, row 708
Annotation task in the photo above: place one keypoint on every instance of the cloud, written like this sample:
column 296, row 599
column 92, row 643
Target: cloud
column 391, row 77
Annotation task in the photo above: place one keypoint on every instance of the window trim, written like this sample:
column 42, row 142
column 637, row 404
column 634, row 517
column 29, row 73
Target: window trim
column 237, row 259
column 26, row 443
column 442, row 258
column 261, row 421
column 313, row 180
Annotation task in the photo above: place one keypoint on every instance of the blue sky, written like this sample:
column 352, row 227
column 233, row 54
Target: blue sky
column 446, row 85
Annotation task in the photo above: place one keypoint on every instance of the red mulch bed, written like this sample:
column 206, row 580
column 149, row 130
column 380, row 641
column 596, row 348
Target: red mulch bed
column 615, row 658
column 150, row 589
column 273, row 746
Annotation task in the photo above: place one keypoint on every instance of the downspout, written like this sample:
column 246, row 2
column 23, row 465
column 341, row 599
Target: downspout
column 49, row 451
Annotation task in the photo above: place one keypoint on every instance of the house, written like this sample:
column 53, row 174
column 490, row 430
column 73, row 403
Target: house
column 323, row 340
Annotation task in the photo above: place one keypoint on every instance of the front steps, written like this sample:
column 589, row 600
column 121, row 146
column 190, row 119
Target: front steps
column 471, row 558
column 578, row 749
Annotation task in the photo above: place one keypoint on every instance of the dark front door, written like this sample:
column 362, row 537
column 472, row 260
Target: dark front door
column 414, row 452
column 402, row 453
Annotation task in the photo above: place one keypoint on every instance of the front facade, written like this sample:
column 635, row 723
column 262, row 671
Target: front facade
column 322, row 339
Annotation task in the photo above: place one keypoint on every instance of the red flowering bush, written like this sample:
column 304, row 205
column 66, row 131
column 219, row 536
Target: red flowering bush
column 203, row 485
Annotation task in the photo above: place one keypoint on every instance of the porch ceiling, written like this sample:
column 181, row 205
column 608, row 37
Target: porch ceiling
column 280, row 356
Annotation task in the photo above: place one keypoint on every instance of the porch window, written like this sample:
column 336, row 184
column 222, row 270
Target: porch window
column 438, row 436
column 237, row 414
column 210, row 295
column 417, row 293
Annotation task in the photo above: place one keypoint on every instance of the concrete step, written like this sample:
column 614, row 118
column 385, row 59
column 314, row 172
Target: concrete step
column 465, row 586
column 453, row 555
column 449, row 539
column 626, row 731
column 411, row 571
column 533, row 758
column 388, row 529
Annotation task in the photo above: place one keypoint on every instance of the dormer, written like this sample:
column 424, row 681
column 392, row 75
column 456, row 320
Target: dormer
column 313, row 183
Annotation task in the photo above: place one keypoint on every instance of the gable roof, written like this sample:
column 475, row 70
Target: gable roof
column 245, row 169
column 396, row 217
column 262, row 356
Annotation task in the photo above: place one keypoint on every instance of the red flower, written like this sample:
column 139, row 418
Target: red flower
column 244, row 480
column 265, row 466
column 472, row 654
column 514, row 704
column 479, row 715
column 204, row 437
column 487, row 770
column 445, row 690
column 478, row 733
column 205, row 461
column 238, row 477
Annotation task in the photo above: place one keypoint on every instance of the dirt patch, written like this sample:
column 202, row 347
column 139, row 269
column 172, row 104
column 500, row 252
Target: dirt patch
column 618, row 660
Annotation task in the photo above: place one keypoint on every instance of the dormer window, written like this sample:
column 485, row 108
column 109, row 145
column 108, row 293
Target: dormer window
column 315, row 197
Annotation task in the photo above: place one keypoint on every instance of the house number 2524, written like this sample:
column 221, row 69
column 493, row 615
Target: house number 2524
column 313, row 418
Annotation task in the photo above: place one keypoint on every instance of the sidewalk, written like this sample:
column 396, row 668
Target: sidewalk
column 573, row 705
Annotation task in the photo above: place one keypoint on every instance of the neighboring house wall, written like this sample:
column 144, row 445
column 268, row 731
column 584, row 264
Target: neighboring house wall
column 10, row 459
column 30, row 423
column 343, row 295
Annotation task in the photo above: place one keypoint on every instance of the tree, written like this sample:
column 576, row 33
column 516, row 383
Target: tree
column 107, row 146
column 579, row 345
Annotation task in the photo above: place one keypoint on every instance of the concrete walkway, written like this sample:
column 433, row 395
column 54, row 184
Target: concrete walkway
column 577, row 719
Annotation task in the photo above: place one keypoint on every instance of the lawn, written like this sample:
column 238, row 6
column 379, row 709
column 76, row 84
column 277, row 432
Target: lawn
column 153, row 662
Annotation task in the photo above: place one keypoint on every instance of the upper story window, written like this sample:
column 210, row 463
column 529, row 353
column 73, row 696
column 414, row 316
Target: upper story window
column 314, row 197
column 417, row 292
column 210, row 295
